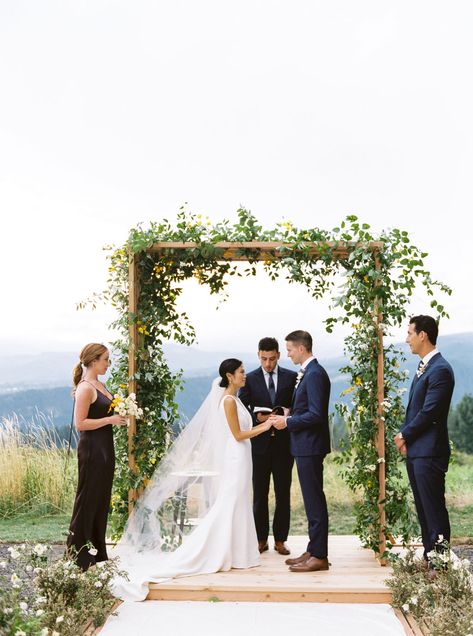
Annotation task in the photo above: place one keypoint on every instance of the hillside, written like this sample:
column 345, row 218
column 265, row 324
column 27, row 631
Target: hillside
column 29, row 384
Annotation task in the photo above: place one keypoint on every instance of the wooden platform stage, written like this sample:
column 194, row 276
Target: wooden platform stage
column 355, row 576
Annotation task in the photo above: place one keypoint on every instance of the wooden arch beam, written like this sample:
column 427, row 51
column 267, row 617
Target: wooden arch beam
column 265, row 250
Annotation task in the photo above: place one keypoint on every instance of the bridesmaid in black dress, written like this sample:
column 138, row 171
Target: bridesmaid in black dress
column 96, row 457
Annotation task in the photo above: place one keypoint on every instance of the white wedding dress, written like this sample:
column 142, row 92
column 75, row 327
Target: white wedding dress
column 224, row 536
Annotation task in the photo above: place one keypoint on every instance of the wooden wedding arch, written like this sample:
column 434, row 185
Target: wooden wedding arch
column 263, row 251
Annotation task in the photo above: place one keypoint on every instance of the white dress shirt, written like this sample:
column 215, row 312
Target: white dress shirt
column 275, row 377
column 426, row 359
column 307, row 362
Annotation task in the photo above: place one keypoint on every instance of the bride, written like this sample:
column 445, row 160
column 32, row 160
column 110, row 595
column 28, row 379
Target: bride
column 195, row 516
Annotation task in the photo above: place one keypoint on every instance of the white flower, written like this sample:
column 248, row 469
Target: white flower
column 405, row 607
column 15, row 578
column 29, row 568
column 13, row 553
column 44, row 631
column 386, row 404
column 381, row 460
column 23, row 605
column 93, row 551
column 40, row 549
column 8, row 610
column 37, row 570
column 3, row 565
column 413, row 600
column 103, row 576
column 40, row 600
column 370, row 468
column 39, row 612
column 55, row 633
column 67, row 564
column 440, row 539
column 299, row 377
column 59, row 619
column 97, row 584
column 20, row 632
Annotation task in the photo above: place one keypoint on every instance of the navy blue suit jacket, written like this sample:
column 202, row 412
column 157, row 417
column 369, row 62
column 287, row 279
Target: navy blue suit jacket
column 425, row 427
column 255, row 393
column 308, row 422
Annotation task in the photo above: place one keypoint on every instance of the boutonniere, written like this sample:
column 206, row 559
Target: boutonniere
column 421, row 369
column 299, row 377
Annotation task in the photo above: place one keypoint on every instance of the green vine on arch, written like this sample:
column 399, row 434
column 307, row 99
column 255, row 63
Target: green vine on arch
column 401, row 268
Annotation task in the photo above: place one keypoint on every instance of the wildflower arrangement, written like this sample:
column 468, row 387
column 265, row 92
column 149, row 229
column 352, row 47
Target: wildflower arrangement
column 442, row 603
column 125, row 405
column 46, row 598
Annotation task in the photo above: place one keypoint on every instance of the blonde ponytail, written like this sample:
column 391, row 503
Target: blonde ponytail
column 76, row 375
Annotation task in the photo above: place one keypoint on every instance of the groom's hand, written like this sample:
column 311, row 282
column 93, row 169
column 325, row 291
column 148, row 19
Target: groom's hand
column 278, row 421
column 400, row 443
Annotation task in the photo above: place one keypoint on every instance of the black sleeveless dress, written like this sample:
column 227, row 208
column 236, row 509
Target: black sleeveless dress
column 96, row 459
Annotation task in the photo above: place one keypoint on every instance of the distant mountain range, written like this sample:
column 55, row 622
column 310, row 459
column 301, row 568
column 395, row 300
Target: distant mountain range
column 32, row 384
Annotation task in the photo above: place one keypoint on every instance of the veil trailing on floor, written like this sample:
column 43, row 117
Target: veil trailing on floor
column 184, row 485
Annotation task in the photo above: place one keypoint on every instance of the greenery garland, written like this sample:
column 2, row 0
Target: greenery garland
column 158, row 320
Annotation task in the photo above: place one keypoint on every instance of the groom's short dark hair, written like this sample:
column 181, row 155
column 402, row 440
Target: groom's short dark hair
column 301, row 338
column 427, row 324
column 268, row 344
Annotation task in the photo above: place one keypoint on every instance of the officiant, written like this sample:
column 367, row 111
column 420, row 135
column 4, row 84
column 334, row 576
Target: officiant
column 267, row 387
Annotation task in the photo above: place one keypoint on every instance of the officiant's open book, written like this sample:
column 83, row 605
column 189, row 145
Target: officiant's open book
column 277, row 410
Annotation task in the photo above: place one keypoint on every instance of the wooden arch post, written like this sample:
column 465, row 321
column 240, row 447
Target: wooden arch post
column 262, row 250
column 381, row 435
column 133, row 293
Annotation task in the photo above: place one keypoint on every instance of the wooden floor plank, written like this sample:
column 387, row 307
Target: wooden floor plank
column 354, row 577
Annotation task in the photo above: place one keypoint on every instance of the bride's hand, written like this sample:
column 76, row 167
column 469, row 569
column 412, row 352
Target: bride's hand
column 266, row 425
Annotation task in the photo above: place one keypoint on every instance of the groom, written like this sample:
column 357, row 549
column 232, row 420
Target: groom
column 310, row 442
column 424, row 435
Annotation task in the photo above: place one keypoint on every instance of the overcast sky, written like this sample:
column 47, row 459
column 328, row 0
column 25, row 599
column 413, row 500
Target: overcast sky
column 115, row 112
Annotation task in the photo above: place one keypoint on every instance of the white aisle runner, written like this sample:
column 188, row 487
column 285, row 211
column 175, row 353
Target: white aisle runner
column 252, row 619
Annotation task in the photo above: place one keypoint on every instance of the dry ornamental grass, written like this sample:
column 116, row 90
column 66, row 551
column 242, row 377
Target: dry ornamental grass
column 34, row 473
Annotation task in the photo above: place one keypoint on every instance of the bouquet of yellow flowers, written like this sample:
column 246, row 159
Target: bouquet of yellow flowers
column 125, row 405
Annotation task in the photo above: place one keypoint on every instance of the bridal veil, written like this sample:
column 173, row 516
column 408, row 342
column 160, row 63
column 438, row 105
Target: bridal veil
column 184, row 485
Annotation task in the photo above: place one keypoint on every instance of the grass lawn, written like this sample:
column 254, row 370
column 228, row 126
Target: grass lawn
column 37, row 526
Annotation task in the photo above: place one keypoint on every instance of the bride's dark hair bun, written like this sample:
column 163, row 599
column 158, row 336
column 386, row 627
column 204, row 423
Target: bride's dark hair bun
column 228, row 366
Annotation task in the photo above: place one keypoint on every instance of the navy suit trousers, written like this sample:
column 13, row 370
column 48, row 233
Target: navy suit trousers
column 310, row 469
column 427, row 479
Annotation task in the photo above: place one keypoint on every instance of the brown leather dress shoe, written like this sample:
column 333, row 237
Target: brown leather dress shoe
column 281, row 547
column 263, row 546
column 299, row 559
column 313, row 564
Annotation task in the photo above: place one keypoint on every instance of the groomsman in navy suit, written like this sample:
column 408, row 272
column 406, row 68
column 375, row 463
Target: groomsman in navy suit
column 268, row 386
column 424, row 435
column 310, row 442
